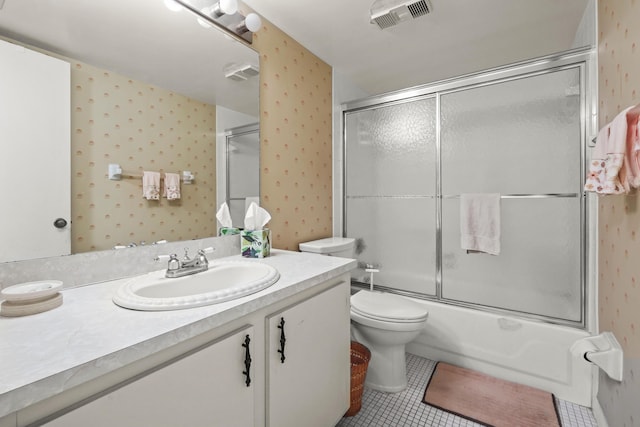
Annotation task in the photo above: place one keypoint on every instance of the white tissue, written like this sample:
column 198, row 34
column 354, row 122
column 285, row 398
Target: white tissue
column 223, row 216
column 256, row 218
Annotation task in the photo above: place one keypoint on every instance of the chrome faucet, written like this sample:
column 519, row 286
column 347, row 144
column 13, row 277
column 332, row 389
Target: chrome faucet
column 186, row 266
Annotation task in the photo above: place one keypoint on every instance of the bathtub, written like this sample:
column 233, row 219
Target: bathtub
column 523, row 351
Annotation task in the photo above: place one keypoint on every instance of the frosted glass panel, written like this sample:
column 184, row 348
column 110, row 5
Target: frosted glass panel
column 237, row 212
column 520, row 136
column 243, row 169
column 538, row 269
column 244, row 165
column 391, row 150
column 398, row 235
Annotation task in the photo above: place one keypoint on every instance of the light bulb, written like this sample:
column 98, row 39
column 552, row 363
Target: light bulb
column 228, row 6
column 172, row 5
column 201, row 21
column 253, row 22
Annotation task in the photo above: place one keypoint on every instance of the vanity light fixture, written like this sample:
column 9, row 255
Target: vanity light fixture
column 224, row 15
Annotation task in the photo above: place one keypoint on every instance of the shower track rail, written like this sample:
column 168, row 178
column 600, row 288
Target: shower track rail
column 457, row 196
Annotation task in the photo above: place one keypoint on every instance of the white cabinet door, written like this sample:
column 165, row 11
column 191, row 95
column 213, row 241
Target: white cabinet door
column 310, row 386
column 206, row 388
column 35, row 161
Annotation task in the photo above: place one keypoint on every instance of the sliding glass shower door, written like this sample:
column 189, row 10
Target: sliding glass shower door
column 391, row 193
column 407, row 161
column 522, row 139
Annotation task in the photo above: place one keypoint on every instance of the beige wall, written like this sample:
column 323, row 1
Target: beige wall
column 619, row 216
column 295, row 132
column 115, row 119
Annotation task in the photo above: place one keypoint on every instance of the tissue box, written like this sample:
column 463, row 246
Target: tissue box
column 225, row 231
column 255, row 244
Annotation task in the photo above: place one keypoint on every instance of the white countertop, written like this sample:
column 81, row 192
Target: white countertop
column 88, row 336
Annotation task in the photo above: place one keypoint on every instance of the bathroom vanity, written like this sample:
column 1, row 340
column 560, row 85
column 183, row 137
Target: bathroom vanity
column 279, row 357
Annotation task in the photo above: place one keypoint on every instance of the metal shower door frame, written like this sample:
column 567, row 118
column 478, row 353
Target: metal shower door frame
column 582, row 59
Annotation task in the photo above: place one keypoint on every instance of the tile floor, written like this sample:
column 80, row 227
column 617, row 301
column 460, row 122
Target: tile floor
column 406, row 409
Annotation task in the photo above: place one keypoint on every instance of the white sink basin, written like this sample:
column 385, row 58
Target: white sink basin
column 223, row 281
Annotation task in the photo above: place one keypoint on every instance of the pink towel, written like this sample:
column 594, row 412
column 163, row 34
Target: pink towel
column 632, row 158
column 609, row 168
column 480, row 222
column 171, row 186
column 151, row 185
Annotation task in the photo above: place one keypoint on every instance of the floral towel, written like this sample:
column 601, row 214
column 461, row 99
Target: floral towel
column 151, row 185
column 171, row 186
column 609, row 170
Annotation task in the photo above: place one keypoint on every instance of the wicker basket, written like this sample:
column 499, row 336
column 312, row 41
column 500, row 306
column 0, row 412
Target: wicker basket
column 360, row 356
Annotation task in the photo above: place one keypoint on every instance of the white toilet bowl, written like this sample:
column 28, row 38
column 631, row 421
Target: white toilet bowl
column 385, row 323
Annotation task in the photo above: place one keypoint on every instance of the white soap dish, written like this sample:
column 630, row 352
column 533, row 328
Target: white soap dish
column 31, row 291
column 25, row 308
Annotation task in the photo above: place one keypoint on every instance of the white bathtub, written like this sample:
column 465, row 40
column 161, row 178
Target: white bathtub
column 522, row 351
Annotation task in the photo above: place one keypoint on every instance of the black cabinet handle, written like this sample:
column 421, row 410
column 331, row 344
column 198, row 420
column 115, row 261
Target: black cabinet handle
column 283, row 340
column 247, row 361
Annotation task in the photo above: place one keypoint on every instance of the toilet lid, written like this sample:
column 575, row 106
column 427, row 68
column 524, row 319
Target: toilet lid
column 385, row 306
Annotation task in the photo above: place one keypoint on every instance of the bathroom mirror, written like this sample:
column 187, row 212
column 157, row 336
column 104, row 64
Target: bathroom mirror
column 174, row 68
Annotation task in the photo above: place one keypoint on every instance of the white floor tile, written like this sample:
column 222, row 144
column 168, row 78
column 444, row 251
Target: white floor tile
column 405, row 409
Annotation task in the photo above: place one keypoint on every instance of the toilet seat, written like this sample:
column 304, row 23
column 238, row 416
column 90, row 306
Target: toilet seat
column 387, row 307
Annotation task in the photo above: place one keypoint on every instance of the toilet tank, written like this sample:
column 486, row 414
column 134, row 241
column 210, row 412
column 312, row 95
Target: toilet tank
column 333, row 246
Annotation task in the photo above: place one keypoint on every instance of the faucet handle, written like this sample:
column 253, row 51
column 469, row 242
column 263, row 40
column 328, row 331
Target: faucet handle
column 202, row 257
column 186, row 255
column 174, row 262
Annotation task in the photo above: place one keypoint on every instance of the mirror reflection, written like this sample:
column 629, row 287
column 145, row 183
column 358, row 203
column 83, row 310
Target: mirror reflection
column 148, row 92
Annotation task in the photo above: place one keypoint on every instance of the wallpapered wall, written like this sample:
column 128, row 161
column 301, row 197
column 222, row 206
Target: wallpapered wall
column 619, row 216
column 118, row 120
column 295, row 133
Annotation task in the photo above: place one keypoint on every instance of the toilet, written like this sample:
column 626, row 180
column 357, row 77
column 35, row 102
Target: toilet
column 332, row 246
column 383, row 322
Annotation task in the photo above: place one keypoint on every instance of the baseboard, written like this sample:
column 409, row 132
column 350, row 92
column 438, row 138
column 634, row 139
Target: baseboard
column 598, row 414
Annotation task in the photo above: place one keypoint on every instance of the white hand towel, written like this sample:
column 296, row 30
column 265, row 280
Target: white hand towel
column 151, row 185
column 171, row 186
column 480, row 222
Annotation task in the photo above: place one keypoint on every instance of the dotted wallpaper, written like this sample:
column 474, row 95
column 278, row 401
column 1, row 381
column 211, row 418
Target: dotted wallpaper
column 619, row 224
column 296, row 138
column 118, row 120
column 619, row 216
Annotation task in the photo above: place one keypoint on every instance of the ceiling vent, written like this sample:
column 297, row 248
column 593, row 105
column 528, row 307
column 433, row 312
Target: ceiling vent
column 241, row 72
column 387, row 13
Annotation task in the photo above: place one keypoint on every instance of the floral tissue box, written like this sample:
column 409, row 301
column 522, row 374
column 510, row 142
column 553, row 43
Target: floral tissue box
column 226, row 231
column 255, row 244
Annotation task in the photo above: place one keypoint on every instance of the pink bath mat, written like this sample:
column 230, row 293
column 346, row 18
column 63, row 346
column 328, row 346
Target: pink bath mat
column 488, row 400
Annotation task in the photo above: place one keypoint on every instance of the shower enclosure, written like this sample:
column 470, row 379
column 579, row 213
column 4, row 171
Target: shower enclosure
column 518, row 131
column 242, row 170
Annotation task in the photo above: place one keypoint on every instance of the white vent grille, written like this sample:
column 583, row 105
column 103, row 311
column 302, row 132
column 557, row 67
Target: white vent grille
column 241, row 72
column 385, row 21
column 387, row 13
column 419, row 8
